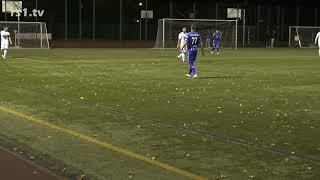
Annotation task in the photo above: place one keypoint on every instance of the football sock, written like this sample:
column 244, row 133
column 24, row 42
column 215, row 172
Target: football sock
column 183, row 56
column 190, row 70
column 5, row 52
column 194, row 70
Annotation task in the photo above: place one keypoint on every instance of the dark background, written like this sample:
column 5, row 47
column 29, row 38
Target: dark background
column 260, row 15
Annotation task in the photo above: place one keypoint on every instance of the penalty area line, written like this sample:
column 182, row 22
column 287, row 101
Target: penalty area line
column 32, row 60
column 104, row 144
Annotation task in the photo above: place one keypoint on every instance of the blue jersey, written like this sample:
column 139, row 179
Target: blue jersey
column 194, row 40
column 216, row 36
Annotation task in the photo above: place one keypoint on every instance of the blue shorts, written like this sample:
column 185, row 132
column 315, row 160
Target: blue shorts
column 216, row 42
column 192, row 54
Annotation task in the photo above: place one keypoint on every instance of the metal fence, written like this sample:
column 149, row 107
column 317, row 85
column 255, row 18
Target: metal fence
column 120, row 19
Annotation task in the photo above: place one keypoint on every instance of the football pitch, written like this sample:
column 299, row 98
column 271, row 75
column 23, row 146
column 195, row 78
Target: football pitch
column 132, row 113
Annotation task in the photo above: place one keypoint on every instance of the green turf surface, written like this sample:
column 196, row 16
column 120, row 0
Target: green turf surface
column 139, row 99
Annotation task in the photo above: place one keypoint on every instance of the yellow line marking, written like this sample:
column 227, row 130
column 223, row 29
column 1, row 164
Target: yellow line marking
column 105, row 145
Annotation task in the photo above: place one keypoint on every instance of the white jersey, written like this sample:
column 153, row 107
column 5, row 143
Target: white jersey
column 4, row 39
column 183, row 38
column 4, row 36
column 317, row 39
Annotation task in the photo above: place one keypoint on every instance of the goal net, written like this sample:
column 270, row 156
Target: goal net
column 302, row 36
column 27, row 34
column 169, row 29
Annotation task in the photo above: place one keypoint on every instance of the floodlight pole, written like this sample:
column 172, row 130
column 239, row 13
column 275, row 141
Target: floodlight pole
column 94, row 20
column 140, row 24
column 298, row 14
column 147, row 17
column 15, row 38
column 217, row 9
column 268, row 16
column 171, row 8
column 5, row 10
column 282, row 24
column 80, row 19
column 163, row 33
column 278, row 24
column 315, row 16
column 289, row 36
column 170, row 28
column 194, row 10
column 120, row 21
column 236, row 39
column 66, row 20
column 244, row 27
column 41, row 35
column 18, row 31
column 36, row 9
column 258, row 23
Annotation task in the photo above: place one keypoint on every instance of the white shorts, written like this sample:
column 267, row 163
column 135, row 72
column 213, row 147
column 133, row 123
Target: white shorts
column 183, row 50
column 4, row 45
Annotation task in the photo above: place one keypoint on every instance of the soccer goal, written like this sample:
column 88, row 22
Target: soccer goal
column 302, row 36
column 169, row 29
column 27, row 34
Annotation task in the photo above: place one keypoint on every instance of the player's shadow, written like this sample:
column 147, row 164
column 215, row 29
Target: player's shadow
column 219, row 77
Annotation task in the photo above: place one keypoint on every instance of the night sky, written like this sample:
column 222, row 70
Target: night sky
column 280, row 13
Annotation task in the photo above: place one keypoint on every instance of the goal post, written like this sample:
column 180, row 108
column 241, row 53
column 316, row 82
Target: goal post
column 303, row 36
column 169, row 29
column 27, row 34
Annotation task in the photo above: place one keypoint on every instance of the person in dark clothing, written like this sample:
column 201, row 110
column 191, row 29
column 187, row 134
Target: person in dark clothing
column 272, row 37
column 268, row 38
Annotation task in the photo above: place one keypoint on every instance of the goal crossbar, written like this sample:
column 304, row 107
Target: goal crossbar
column 21, row 22
column 165, row 26
column 212, row 20
column 28, row 34
column 304, row 27
column 302, row 36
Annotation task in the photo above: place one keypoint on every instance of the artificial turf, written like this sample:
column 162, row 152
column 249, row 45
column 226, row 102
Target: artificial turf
column 246, row 106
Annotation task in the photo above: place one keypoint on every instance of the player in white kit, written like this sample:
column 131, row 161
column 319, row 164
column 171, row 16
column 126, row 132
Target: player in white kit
column 317, row 40
column 181, row 41
column 5, row 40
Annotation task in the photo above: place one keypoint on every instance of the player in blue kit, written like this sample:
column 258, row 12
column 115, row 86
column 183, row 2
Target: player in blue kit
column 192, row 43
column 215, row 42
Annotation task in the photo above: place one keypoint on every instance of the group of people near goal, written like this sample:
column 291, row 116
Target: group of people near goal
column 188, row 44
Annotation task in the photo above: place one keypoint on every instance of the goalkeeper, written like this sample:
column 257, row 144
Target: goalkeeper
column 215, row 42
column 317, row 40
